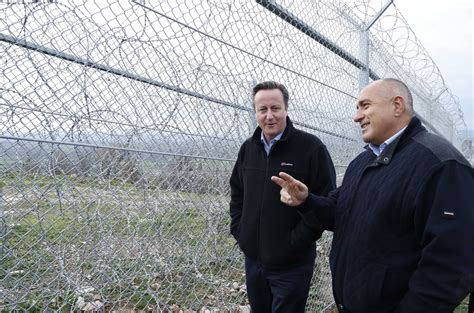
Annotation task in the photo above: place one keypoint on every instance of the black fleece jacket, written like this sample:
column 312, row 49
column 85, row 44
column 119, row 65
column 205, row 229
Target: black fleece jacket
column 403, row 227
column 266, row 229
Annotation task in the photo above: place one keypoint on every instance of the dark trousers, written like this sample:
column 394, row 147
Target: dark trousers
column 277, row 291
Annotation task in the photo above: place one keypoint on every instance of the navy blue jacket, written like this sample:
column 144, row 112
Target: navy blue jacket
column 266, row 229
column 403, row 227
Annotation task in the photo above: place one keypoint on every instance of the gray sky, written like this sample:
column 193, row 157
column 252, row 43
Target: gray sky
column 445, row 30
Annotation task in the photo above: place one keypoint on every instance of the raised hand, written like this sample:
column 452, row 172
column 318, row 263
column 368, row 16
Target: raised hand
column 293, row 192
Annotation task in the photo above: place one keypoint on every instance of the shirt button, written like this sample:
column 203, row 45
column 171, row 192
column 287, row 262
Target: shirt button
column 341, row 306
column 385, row 159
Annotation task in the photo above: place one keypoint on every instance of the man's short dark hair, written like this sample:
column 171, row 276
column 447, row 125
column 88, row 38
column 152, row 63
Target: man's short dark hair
column 271, row 85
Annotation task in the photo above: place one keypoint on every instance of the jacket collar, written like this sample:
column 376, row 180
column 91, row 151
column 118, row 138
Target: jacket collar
column 286, row 133
column 413, row 128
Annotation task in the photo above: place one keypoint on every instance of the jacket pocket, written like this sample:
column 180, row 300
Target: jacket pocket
column 395, row 284
column 302, row 236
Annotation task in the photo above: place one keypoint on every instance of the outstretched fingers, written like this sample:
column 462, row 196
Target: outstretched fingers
column 293, row 192
column 283, row 179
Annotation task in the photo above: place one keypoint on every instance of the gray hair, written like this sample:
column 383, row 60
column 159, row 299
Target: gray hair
column 404, row 91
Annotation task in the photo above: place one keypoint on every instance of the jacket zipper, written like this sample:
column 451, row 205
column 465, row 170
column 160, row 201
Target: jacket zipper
column 267, row 161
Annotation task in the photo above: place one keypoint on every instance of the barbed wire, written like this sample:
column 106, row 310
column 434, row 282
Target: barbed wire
column 120, row 122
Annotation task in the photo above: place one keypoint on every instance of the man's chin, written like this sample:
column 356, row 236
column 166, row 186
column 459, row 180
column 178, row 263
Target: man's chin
column 270, row 133
column 267, row 133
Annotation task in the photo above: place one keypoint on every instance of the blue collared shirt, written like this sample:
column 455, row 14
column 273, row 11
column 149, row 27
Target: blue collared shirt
column 377, row 150
column 268, row 146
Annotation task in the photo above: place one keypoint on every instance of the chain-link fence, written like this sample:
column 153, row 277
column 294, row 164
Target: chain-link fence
column 121, row 120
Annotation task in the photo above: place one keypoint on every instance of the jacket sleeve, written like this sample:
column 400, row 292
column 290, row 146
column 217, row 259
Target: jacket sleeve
column 322, row 179
column 236, row 196
column 320, row 210
column 444, row 226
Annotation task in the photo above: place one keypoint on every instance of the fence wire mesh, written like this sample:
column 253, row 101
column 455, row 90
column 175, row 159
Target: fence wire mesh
column 120, row 122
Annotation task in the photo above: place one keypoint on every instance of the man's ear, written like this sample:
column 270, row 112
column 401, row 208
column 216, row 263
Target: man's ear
column 399, row 106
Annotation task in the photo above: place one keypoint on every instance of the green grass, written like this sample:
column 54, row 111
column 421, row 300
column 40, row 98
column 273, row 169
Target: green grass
column 462, row 308
column 44, row 228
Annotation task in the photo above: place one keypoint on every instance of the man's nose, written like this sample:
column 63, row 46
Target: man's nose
column 358, row 117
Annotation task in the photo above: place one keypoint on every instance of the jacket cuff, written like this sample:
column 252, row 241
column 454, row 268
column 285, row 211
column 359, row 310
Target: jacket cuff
column 304, row 208
column 317, row 205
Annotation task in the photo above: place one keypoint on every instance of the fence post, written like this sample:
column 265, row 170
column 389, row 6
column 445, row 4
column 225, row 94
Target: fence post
column 365, row 46
column 3, row 229
column 364, row 51
column 253, row 122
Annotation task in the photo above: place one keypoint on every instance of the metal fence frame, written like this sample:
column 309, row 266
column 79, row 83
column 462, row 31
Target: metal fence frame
column 121, row 122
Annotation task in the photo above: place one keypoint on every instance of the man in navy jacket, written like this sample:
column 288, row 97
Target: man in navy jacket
column 279, row 246
column 403, row 218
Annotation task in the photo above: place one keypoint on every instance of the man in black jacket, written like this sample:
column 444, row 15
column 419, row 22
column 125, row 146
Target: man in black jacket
column 403, row 218
column 279, row 245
